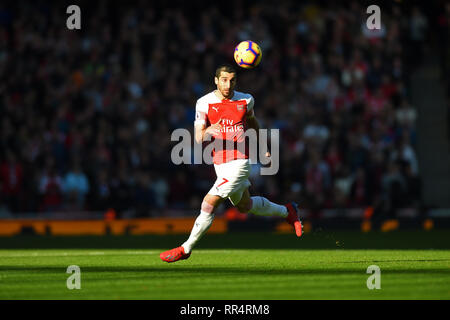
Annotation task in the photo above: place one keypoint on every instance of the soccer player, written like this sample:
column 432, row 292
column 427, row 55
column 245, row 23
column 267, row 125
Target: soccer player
column 225, row 114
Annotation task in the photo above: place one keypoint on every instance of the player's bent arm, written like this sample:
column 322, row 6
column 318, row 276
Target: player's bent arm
column 202, row 132
column 199, row 132
column 252, row 122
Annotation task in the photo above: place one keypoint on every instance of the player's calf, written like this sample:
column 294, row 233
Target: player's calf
column 262, row 207
column 244, row 207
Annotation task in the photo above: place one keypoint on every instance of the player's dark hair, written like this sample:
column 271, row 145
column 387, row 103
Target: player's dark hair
column 226, row 68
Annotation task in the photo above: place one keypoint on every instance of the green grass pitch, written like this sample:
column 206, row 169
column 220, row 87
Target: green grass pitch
column 414, row 265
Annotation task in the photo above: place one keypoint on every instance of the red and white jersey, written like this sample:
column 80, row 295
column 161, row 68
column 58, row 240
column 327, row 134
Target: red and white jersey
column 232, row 113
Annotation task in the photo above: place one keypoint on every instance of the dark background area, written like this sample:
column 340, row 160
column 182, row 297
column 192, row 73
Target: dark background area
column 319, row 239
column 86, row 115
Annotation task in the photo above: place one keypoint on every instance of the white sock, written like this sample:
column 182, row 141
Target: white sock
column 201, row 225
column 263, row 207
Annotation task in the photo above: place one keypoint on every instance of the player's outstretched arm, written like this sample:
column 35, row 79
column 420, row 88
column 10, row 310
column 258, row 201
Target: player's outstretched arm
column 252, row 122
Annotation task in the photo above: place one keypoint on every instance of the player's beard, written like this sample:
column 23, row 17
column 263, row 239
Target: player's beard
column 226, row 94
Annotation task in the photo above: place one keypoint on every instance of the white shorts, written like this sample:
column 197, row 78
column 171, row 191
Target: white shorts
column 232, row 180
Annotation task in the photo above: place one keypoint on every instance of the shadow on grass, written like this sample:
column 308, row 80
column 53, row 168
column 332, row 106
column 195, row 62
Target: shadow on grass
column 176, row 270
column 400, row 260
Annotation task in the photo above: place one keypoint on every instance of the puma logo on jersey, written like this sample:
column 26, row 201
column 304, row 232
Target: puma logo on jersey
column 217, row 109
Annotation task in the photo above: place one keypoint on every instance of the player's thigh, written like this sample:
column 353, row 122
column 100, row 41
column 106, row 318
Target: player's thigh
column 246, row 202
column 213, row 200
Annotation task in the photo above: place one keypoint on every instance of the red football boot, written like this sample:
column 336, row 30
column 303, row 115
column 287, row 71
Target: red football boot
column 174, row 255
column 293, row 219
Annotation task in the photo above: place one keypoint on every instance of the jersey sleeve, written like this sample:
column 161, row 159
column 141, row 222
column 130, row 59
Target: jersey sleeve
column 250, row 104
column 201, row 113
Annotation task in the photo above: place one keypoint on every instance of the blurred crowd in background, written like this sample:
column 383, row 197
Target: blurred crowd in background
column 87, row 115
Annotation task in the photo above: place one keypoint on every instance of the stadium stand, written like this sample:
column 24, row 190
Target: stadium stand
column 87, row 115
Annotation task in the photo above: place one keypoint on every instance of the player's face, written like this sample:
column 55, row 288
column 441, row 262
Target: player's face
column 226, row 83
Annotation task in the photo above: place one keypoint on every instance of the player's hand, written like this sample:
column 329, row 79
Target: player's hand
column 214, row 129
column 268, row 161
